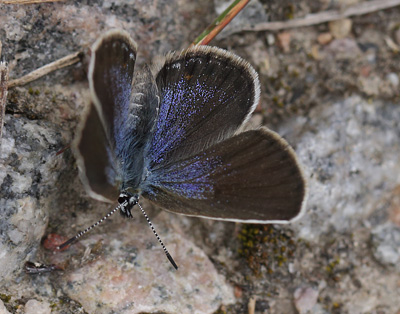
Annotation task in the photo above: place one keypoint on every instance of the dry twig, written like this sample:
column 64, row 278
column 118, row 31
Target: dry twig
column 56, row 65
column 327, row 16
column 251, row 306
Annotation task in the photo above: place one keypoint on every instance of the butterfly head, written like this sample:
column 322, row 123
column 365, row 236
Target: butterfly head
column 126, row 202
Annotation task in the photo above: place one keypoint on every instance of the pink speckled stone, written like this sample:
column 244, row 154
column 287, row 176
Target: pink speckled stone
column 132, row 274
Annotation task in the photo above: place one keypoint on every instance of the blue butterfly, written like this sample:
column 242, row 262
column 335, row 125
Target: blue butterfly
column 171, row 134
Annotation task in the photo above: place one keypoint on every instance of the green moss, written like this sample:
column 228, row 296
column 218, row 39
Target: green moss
column 5, row 298
column 54, row 305
column 264, row 246
column 295, row 73
column 289, row 11
column 331, row 266
column 277, row 101
column 336, row 305
column 221, row 310
column 35, row 92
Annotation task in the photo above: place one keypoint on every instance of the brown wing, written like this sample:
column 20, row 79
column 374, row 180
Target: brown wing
column 252, row 177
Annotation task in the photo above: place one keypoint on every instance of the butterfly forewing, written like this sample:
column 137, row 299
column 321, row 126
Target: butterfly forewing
column 253, row 177
column 110, row 80
column 206, row 95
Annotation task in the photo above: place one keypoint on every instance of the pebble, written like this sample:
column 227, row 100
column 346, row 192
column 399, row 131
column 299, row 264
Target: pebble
column 386, row 243
column 393, row 78
column 305, row 298
column 284, row 41
column 365, row 70
column 315, row 52
column 270, row 39
column 37, row 307
column 324, row 38
column 345, row 46
column 370, row 85
column 238, row 292
column 340, row 28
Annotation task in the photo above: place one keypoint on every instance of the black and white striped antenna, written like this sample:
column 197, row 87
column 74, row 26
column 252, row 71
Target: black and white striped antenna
column 125, row 206
column 158, row 238
column 81, row 233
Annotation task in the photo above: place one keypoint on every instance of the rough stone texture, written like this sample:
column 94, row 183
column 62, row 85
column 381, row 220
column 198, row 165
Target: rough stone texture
column 305, row 299
column 37, row 307
column 252, row 13
column 337, row 103
column 386, row 242
column 40, row 121
column 3, row 309
column 353, row 145
column 127, row 272
column 340, row 28
column 27, row 178
column 351, row 151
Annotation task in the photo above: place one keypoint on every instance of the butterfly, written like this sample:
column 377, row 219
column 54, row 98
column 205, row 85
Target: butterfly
column 171, row 134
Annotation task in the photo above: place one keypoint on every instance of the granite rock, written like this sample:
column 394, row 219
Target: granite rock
column 28, row 172
column 347, row 140
column 38, row 184
column 124, row 269
column 350, row 152
column 386, row 244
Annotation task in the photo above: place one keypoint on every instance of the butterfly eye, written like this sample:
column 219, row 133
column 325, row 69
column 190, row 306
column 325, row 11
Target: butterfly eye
column 123, row 197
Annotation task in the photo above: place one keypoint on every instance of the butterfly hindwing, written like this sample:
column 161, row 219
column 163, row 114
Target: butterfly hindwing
column 116, row 128
column 206, row 94
column 95, row 158
column 251, row 177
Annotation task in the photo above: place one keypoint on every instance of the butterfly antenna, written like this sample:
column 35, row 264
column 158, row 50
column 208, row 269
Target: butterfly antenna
column 81, row 233
column 158, row 238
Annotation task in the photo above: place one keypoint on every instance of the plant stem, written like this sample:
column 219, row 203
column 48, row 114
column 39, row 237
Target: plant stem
column 220, row 22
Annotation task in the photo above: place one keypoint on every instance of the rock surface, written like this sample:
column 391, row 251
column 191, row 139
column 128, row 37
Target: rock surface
column 128, row 272
column 355, row 148
column 26, row 172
